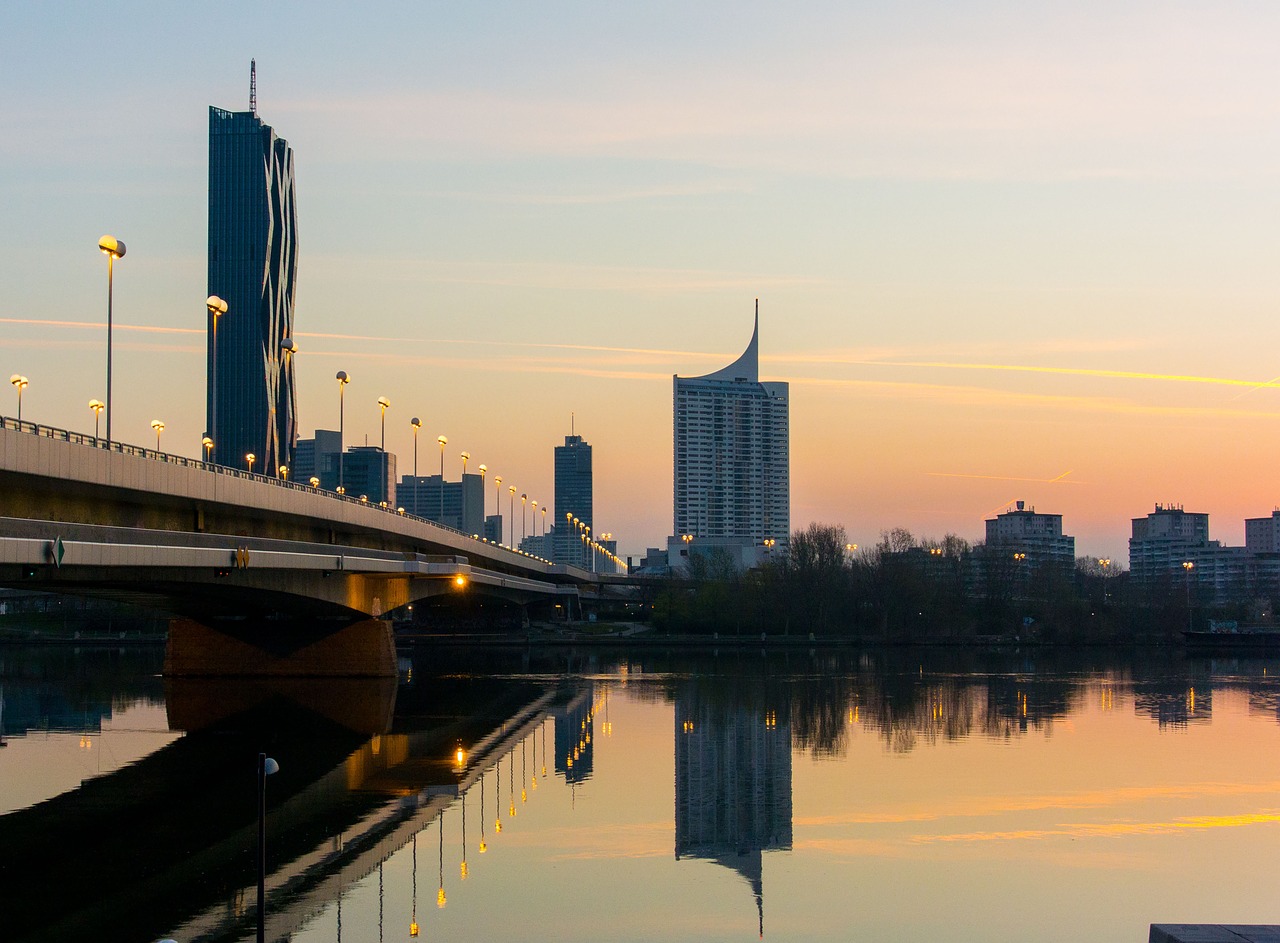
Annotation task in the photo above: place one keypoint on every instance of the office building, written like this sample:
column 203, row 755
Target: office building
column 368, row 471
column 317, row 458
column 253, row 256
column 1170, row 550
column 574, row 498
column 1038, row 536
column 732, row 480
column 456, row 504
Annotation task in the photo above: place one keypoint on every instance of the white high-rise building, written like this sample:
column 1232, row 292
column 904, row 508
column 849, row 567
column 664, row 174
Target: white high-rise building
column 732, row 447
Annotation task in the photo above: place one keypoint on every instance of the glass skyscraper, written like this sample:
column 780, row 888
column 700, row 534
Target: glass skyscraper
column 732, row 454
column 253, row 260
column 573, row 480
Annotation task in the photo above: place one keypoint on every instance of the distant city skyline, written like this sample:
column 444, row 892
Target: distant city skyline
column 1014, row 254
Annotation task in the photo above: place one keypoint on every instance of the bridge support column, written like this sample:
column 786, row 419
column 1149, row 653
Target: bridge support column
column 362, row 650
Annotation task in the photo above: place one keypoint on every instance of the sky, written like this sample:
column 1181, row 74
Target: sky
column 1002, row 251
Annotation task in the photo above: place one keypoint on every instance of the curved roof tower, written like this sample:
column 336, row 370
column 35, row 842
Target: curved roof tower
column 731, row 447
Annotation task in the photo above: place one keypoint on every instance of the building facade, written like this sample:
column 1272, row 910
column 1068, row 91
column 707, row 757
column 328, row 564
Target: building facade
column 456, row 504
column 1038, row 536
column 370, row 472
column 731, row 444
column 574, row 498
column 252, row 265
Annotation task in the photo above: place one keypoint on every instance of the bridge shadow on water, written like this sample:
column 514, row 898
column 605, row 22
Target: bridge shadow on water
column 169, row 841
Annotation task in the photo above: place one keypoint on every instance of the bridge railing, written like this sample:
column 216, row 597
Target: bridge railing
column 97, row 442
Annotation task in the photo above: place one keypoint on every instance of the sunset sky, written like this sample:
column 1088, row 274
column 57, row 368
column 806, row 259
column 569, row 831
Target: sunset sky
column 1002, row 251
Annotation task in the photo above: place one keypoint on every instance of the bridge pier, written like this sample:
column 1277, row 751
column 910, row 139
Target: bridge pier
column 363, row 649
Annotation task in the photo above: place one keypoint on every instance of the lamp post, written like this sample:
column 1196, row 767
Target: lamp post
column 534, row 505
column 97, row 406
column 544, row 528
column 483, row 468
column 524, row 516
column 1105, row 563
column 266, row 767
column 284, row 472
column 158, row 426
column 113, row 249
column 462, row 520
column 512, row 489
column 314, row 482
column 207, row 444
column 1187, row 567
column 216, row 307
column 20, row 383
column 343, row 380
column 251, row 458
column 443, row 440
column 497, row 503
column 416, row 423
column 384, row 404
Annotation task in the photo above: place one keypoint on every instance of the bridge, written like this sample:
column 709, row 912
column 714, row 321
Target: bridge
column 240, row 550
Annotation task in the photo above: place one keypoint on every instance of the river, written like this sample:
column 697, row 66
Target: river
column 905, row 794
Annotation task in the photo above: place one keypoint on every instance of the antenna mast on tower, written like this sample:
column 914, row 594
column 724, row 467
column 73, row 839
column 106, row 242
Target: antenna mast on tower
column 253, row 87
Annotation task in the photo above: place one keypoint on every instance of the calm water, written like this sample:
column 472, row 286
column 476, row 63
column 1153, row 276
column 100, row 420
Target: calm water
column 902, row 795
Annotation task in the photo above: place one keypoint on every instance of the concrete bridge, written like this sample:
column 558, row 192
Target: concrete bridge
column 224, row 546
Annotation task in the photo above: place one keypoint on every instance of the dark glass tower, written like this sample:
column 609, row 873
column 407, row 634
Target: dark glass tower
column 253, row 260
column 573, row 497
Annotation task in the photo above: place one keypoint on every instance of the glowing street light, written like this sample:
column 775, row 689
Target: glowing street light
column 158, row 426
column 512, row 489
column 497, row 503
column 443, row 440
column 314, row 482
column 251, row 458
column 216, row 307
column 384, row 404
column 416, row 423
column 113, row 249
column 20, row 383
column 524, row 516
column 343, row 380
column 483, row 468
column 97, row 406
column 284, row 472
column 207, row 443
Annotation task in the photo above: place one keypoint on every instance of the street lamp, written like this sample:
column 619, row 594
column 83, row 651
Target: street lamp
column 207, row 444
column 1105, row 563
column 266, row 767
column 512, row 489
column 417, row 424
column 158, row 426
column 284, row 472
column 343, row 380
column 384, row 404
column 497, row 503
column 113, row 249
column 216, row 307
column 251, row 458
column 483, row 468
column 443, row 440
column 524, row 516
column 463, row 491
column 314, row 482
column 544, row 526
column 97, row 406
column 1187, row 567
column 20, row 383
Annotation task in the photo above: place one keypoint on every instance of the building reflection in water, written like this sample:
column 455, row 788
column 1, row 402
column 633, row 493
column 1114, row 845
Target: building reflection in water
column 733, row 785
column 574, row 733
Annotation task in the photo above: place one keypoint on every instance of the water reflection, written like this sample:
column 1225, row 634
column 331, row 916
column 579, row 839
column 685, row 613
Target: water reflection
column 733, row 782
column 371, row 771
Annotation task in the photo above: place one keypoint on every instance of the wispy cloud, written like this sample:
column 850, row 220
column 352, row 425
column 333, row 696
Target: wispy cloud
column 1109, row 829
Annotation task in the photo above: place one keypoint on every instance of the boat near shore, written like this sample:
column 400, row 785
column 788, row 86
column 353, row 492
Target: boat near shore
column 1226, row 635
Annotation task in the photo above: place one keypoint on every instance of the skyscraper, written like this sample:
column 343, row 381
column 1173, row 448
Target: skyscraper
column 253, row 256
column 574, row 483
column 732, row 455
